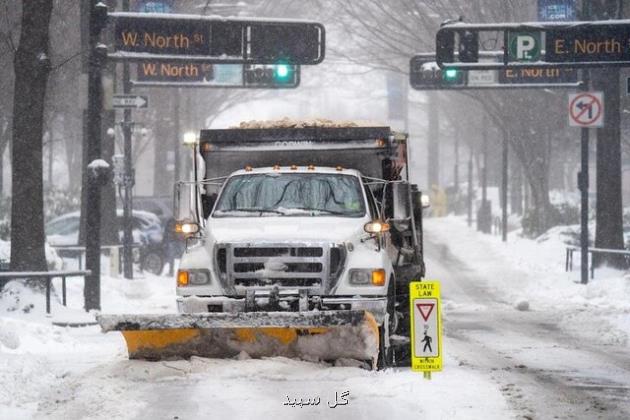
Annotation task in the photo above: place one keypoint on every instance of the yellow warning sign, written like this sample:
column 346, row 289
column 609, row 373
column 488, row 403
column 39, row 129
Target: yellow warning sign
column 426, row 326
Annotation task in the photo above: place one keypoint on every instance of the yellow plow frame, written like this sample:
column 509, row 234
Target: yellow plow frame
column 316, row 335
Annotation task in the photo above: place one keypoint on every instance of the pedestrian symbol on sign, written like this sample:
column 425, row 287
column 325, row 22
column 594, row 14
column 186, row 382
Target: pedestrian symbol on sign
column 427, row 342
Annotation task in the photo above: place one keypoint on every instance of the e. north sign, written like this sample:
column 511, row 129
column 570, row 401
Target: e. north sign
column 566, row 44
column 588, row 44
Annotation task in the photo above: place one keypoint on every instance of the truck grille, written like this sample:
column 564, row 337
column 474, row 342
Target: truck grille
column 288, row 266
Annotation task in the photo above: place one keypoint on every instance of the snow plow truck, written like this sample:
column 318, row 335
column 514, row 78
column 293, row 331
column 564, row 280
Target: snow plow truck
column 301, row 242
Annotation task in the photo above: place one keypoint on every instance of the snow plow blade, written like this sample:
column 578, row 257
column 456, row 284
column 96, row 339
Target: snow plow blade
column 321, row 335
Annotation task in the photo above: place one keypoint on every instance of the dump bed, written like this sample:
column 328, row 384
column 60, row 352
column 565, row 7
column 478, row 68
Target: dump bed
column 375, row 151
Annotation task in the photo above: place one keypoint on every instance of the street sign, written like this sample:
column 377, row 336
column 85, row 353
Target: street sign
column 588, row 44
column 174, row 71
column 426, row 326
column 524, row 46
column 586, row 109
column 148, row 6
column 206, row 75
column 424, row 74
column 575, row 45
column 556, row 10
column 140, row 36
column 130, row 101
column 482, row 77
column 524, row 75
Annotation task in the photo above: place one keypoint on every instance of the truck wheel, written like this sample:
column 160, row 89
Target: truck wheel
column 386, row 354
column 153, row 262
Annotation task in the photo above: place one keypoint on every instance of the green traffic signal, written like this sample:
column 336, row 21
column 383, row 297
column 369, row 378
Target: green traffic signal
column 283, row 73
column 453, row 77
column 450, row 75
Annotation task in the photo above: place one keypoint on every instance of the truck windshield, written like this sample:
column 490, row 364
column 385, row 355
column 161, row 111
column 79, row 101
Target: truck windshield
column 285, row 194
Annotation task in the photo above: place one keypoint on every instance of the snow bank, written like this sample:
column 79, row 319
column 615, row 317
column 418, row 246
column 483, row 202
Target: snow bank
column 533, row 271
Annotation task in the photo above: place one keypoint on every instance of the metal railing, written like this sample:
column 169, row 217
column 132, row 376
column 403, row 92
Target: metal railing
column 591, row 251
column 45, row 276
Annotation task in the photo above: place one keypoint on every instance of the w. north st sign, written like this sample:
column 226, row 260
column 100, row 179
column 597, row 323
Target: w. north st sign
column 139, row 36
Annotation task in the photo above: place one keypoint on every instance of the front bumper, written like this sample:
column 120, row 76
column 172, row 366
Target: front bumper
column 377, row 306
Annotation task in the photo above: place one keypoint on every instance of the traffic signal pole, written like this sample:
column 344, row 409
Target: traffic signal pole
column 583, row 181
column 97, row 57
column 128, row 174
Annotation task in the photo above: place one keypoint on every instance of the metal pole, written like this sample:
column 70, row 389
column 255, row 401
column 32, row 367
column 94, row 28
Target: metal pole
column 177, row 137
column 128, row 178
column 456, row 168
column 583, row 182
column 470, row 187
column 504, row 186
column 92, row 289
column 48, row 295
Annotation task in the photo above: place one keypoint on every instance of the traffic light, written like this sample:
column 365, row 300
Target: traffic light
column 468, row 47
column 98, row 17
column 445, row 46
column 272, row 76
column 283, row 73
column 453, row 76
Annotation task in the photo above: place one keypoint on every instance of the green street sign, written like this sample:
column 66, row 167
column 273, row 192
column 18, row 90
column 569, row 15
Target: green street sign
column 524, row 46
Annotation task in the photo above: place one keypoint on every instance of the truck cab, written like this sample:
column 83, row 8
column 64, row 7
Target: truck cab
column 301, row 219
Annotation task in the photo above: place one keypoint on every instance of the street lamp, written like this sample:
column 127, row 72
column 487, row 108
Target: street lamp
column 190, row 139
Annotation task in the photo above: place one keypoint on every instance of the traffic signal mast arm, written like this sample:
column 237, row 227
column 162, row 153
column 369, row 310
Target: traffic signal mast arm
column 567, row 45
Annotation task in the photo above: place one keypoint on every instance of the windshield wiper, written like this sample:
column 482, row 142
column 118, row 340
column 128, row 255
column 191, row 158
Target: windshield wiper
column 333, row 212
column 253, row 210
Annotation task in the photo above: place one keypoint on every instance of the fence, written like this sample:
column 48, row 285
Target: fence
column 591, row 251
column 46, row 276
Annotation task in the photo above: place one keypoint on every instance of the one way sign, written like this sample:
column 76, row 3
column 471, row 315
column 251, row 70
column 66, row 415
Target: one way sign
column 130, row 101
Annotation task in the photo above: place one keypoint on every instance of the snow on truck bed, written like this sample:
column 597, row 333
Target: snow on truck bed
column 318, row 122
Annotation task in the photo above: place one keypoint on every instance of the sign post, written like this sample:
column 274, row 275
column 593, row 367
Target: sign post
column 426, row 327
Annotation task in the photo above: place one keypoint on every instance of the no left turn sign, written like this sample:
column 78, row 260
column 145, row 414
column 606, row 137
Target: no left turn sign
column 586, row 109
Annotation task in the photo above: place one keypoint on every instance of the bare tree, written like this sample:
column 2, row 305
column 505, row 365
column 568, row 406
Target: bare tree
column 32, row 66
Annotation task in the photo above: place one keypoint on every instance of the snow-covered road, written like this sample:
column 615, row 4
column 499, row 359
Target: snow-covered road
column 566, row 357
column 542, row 371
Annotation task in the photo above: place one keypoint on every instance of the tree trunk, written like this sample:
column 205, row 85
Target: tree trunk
column 540, row 210
column 609, row 225
column 31, row 76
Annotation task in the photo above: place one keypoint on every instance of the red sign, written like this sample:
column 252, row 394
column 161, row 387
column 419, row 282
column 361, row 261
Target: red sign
column 425, row 310
column 586, row 109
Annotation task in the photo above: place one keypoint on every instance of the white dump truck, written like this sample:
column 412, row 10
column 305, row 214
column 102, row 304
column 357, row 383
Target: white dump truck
column 301, row 242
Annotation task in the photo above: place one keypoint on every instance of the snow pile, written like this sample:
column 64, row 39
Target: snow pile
column 532, row 273
column 53, row 260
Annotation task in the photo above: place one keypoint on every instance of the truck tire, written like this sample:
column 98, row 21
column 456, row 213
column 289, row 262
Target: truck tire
column 386, row 354
column 152, row 262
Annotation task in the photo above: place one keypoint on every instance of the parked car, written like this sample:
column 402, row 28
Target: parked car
column 147, row 231
column 161, row 206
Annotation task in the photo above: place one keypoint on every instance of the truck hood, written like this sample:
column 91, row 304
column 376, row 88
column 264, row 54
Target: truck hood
column 280, row 229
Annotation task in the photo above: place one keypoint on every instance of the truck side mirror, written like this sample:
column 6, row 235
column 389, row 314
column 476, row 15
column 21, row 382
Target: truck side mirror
column 188, row 203
column 207, row 202
column 401, row 205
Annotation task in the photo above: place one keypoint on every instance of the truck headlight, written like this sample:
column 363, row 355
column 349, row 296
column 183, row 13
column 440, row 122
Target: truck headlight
column 367, row 277
column 193, row 277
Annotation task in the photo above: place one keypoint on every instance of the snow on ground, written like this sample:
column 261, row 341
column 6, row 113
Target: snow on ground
column 533, row 271
column 36, row 355
column 61, row 372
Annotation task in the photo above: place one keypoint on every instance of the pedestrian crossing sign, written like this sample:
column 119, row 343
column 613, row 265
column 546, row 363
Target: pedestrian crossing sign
column 426, row 326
